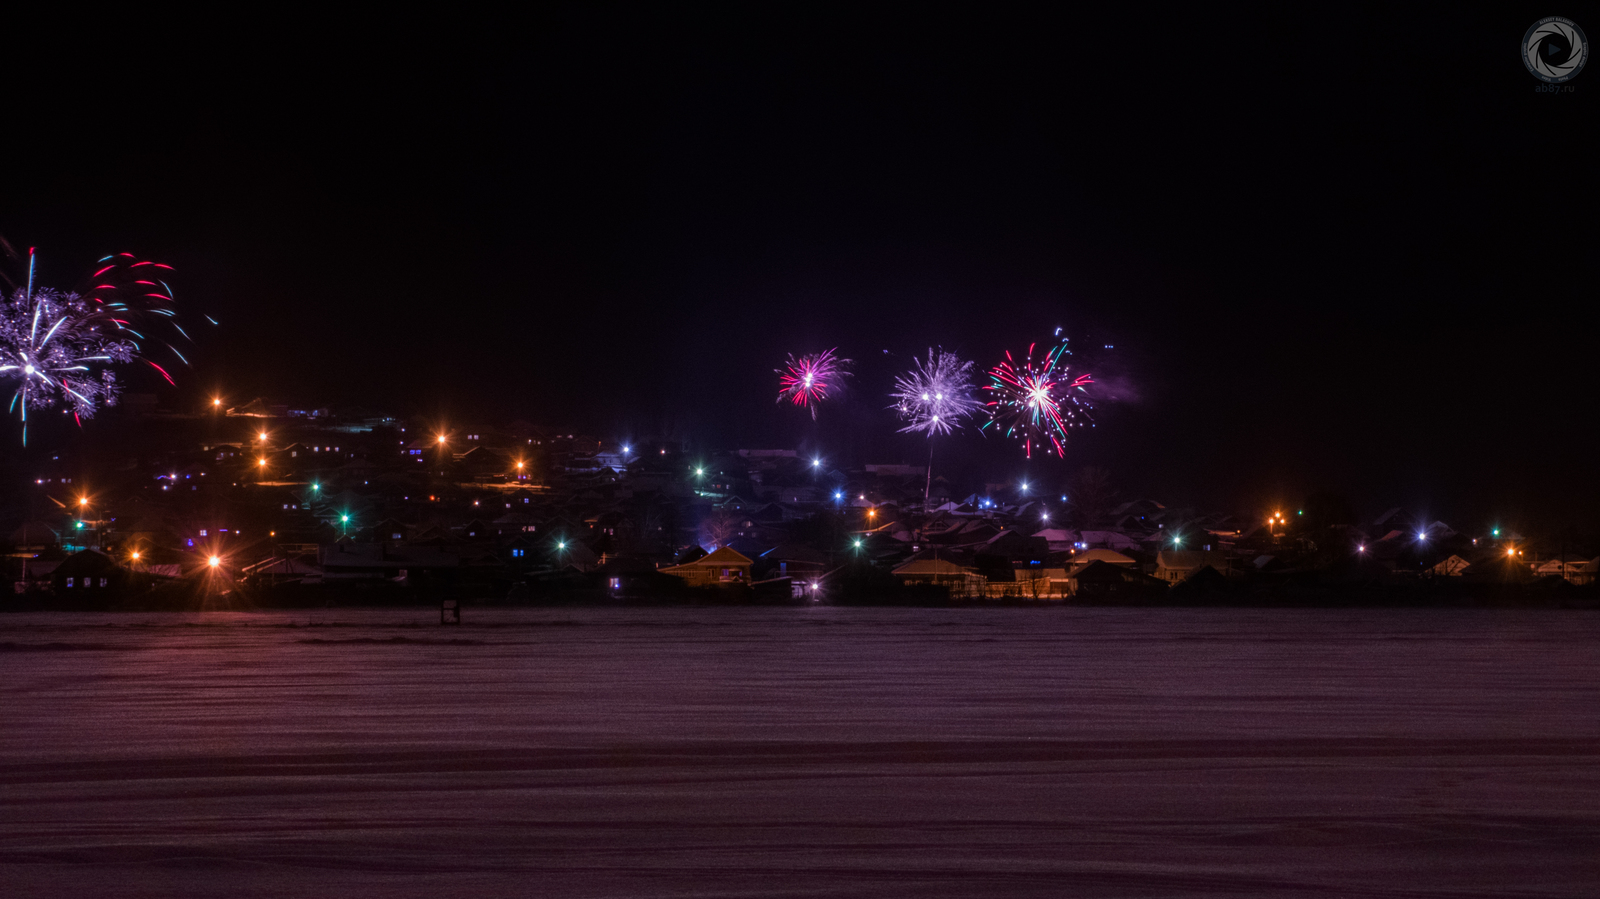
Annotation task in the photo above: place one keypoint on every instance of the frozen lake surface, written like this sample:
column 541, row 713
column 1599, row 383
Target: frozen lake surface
column 802, row 752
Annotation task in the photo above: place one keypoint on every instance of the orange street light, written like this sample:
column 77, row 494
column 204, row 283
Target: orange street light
column 135, row 555
column 215, row 561
column 441, row 440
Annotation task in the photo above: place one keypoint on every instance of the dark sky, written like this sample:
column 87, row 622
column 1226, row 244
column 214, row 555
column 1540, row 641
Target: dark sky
column 1339, row 252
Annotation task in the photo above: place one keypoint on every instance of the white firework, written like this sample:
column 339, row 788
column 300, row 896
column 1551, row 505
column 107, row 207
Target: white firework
column 934, row 398
column 53, row 345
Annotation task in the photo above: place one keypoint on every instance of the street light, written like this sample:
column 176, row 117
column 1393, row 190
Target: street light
column 215, row 561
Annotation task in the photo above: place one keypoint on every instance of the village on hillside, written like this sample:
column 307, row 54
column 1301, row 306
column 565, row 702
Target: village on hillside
column 270, row 503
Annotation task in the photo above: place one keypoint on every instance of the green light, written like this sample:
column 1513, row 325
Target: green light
column 80, row 524
column 1301, row 512
column 344, row 518
column 316, row 487
column 1497, row 532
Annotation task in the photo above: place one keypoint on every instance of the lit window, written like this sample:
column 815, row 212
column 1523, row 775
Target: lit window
column 69, row 582
column 202, row 532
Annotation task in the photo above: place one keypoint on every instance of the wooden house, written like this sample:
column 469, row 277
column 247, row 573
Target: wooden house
column 725, row 566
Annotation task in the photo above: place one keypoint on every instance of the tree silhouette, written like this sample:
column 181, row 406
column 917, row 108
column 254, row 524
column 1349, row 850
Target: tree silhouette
column 1092, row 495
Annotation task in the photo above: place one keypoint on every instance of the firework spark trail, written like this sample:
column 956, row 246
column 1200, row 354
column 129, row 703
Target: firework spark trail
column 807, row 380
column 49, row 338
column 1038, row 401
column 935, row 397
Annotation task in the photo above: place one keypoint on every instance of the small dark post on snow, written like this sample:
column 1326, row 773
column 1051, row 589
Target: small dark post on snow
column 450, row 612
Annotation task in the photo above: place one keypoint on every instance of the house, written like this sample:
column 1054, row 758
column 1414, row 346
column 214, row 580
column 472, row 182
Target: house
column 34, row 536
column 1174, row 565
column 1059, row 540
column 1107, row 539
column 960, row 580
column 1014, row 546
column 794, row 561
column 1579, row 572
column 88, row 574
column 1085, row 558
column 347, row 562
column 284, row 569
column 725, row 566
column 1101, row 580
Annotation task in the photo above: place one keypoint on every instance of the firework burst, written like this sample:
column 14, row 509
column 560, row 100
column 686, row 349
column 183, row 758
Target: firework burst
column 1037, row 401
column 934, row 397
column 60, row 347
column 808, row 380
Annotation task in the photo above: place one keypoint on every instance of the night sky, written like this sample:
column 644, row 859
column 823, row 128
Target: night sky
column 1347, row 253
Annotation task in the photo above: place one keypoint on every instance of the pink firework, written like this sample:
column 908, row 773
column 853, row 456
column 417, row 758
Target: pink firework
column 807, row 380
column 1037, row 401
